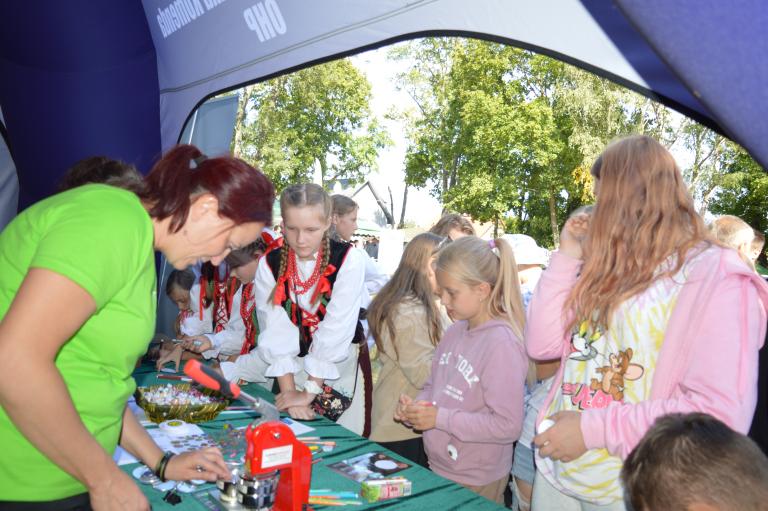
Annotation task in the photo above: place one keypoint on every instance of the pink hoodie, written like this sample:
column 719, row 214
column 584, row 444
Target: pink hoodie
column 477, row 384
column 707, row 363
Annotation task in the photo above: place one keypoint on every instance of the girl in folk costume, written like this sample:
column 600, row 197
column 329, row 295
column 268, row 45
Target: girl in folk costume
column 343, row 227
column 195, row 315
column 344, row 221
column 194, row 318
column 648, row 317
column 308, row 294
column 238, row 337
column 218, row 285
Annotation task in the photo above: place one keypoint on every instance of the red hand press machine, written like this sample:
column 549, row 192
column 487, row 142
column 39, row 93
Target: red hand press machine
column 278, row 467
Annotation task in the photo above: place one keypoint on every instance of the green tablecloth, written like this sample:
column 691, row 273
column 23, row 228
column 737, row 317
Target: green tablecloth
column 430, row 491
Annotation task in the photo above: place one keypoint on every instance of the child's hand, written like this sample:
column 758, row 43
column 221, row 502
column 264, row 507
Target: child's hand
column 404, row 401
column 573, row 235
column 197, row 344
column 293, row 398
column 302, row 413
column 563, row 441
column 174, row 356
column 422, row 415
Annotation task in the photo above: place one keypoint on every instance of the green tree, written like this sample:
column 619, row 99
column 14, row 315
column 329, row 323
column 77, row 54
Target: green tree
column 436, row 140
column 743, row 189
column 316, row 119
column 509, row 136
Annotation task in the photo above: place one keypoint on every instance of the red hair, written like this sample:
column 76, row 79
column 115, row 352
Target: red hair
column 244, row 193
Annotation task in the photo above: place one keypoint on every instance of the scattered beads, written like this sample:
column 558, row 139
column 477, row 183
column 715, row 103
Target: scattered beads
column 172, row 395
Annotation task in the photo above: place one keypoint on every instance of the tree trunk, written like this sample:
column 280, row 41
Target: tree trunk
column 495, row 226
column 553, row 220
column 391, row 206
column 323, row 170
column 382, row 204
column 401, row 225
column 705, row 200
column 444, row 191
column 237, row 138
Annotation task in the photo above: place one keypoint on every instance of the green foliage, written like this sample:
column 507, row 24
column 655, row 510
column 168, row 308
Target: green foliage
column 507, row 135
column 501, row 133
column 318, row 118
column 743, row 189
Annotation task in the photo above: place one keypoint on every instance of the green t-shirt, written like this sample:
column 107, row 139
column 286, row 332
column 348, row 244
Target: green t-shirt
column 101, row 238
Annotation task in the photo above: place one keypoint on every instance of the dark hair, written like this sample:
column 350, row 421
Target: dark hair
column 100, row 169
column 244, row 193
column 694, row 458
column 451, row 221
column 183, row 279
column 246, row 254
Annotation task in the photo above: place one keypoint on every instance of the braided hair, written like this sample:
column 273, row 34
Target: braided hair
column 326, row 257
column 306, row 194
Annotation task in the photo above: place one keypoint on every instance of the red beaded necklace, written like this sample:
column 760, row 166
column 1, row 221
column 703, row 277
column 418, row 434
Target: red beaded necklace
column 246, row 312
column 299, row 287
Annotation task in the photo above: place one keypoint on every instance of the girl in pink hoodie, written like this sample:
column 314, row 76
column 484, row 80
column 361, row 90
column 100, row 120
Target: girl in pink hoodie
column 648, row 316
column 471, row 407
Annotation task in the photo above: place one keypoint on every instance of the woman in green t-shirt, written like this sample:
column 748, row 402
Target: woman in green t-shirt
column 77, row 309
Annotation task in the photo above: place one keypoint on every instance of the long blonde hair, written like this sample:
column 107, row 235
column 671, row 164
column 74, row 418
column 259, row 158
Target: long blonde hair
column 473, row 261
column 643, row 215
column 297, row 196
column 409, row 281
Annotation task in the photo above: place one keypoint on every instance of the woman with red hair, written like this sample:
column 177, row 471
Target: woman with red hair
column 77, row 310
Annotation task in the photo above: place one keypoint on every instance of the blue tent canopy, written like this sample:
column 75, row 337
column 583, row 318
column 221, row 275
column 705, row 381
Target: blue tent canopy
column 79, row 78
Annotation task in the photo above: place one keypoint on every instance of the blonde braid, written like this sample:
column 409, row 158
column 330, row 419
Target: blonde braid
column 283, row 265
column 326, row 257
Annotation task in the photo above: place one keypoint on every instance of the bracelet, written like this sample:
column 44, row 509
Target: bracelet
column 162, row 464
column 313, row 388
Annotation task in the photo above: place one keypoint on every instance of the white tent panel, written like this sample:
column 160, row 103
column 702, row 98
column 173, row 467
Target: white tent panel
column 256, row 39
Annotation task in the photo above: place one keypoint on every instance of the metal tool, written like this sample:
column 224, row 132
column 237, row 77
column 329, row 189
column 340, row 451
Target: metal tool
column 278, row 467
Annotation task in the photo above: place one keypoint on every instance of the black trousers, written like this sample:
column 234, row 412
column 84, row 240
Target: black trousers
column 412, row 449
column 759, row 430
column 79, row 502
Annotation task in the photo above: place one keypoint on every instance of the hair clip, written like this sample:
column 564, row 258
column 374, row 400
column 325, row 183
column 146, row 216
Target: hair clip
column 443, row 243
column 494, row 248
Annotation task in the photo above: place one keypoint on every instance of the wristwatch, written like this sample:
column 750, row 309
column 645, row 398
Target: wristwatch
column 312, row 387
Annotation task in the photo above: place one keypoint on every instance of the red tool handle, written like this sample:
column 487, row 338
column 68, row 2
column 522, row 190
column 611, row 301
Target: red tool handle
column 209, row 378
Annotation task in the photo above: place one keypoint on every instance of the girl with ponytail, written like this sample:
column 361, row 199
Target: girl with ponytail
column 77, row 309
column 308, row 295
column 471, row 407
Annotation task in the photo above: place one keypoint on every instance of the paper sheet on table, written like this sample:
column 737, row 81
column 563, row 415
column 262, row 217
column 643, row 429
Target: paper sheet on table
column 181, row 443
column 297, row 427
column 138, row 412
column 123, row 457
